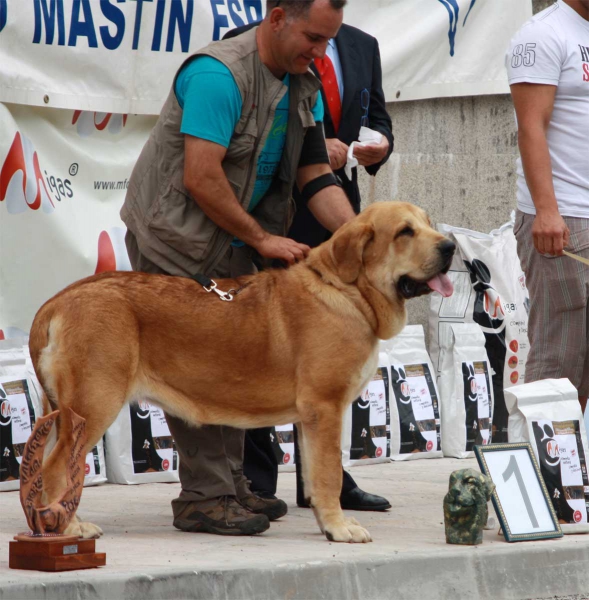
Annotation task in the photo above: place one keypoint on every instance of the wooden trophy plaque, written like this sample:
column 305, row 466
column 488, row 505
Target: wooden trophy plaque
column 45, row 547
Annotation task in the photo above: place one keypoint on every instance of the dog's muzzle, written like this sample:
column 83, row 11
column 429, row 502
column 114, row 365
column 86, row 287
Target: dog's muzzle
column 441, row 283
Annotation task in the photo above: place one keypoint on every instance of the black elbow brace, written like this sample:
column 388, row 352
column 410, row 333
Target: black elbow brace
column 317, row 184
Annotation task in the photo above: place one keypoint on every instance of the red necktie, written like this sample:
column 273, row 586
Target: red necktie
column 329, row 81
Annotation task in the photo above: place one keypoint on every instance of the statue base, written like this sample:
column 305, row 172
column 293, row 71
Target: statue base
column 53, row 552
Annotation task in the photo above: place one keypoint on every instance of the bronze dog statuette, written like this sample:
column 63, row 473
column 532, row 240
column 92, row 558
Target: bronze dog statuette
column 465, row 506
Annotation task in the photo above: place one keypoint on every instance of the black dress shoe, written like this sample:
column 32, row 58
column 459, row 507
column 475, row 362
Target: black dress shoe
column 357, row 499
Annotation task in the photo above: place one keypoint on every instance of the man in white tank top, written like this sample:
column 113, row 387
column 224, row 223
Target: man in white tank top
column 548, row 71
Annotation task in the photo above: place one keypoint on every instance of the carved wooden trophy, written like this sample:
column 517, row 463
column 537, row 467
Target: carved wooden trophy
column 45, row 547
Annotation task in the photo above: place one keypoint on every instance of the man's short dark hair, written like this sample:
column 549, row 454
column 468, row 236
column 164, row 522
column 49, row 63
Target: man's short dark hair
column 299, row 8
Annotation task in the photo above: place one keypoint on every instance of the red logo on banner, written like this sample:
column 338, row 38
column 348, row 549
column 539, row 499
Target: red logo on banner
column 88, row 122
column 22, row 165
column 378, row 451
column 165, row 464
column 112, row 252
column 107, row 260
column 429, row 446
column 87, row 469
column 577, row 516
column 286, row 458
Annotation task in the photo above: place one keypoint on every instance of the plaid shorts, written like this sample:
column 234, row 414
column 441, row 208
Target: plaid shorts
column 559, row 312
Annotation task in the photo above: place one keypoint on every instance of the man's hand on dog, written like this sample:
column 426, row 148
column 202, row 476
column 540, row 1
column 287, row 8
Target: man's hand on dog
column 550, row 233
column 282, row 248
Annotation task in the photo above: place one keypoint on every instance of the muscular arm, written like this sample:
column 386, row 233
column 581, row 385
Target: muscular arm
column 330, row 206
column 533, row 107
column 205, row 179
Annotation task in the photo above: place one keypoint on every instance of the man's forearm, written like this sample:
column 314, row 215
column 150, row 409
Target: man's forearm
column 213, row 193
column 537, row 166
column 331, row 207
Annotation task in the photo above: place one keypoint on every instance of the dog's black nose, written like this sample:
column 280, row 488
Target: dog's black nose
column 447, row 248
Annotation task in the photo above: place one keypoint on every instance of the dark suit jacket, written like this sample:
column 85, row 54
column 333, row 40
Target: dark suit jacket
column 360, row 60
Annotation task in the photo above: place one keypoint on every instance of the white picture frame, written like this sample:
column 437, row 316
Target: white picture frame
column 520, row 498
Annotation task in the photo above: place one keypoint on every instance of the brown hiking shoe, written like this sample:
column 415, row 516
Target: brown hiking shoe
column 273, row 508
column 223, row 516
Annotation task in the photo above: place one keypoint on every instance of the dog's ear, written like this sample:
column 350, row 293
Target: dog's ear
column 489, row 487
column 348, row 247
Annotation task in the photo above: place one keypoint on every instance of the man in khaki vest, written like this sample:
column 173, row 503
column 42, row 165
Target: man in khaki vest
column 211, row 191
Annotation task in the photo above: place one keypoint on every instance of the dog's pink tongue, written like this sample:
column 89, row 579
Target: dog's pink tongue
column 442, row 284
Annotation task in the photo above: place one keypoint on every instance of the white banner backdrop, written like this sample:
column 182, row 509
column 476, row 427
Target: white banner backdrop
column 63, row 178
column 121, row 55
column 64, row 171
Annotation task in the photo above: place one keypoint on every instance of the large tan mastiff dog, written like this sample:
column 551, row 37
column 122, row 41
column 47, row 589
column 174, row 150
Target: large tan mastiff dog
column 295, row 345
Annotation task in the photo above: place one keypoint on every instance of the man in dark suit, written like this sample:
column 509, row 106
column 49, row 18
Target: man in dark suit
column 352, row 96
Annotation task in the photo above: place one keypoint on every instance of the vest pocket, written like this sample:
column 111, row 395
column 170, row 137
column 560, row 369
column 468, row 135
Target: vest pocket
column 243, row 141
column 180, row 223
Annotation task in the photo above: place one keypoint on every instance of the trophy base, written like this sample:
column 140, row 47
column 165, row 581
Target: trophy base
column 51, row 552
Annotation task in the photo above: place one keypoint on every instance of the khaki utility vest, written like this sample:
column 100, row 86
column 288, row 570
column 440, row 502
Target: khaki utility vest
column 171, row 229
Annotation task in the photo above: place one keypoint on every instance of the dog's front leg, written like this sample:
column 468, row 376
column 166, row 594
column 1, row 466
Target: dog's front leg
column 320, row 449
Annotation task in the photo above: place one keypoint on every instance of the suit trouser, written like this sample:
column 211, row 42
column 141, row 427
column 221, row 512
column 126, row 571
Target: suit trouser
column 211, row 456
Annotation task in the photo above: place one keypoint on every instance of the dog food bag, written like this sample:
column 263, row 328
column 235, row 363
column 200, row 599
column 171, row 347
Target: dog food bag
column 415, row 401
column 490, row 290
column 466, row 391
column 19, row 408
column 282, row 440
column 547, row 414
column 140, row 448
column 366, row 433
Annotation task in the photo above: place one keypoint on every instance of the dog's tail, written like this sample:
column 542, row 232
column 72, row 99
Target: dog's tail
column 41, row 339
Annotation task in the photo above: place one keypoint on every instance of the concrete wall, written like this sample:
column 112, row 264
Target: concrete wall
column 454, row 157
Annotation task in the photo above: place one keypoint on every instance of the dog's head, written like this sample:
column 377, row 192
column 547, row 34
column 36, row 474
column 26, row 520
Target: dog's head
column 395, row 247
column 468, row 489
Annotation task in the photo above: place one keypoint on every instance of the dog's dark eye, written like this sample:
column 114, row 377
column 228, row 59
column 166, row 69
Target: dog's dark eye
column 408, row 231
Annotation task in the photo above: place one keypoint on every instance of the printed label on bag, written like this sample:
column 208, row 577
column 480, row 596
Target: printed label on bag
column 282, row 440
column 92, row 463
column 17, row 419
column 477, row 403
column 418, row 408
column 371, row 420
column 563, row 467
column 152, row 446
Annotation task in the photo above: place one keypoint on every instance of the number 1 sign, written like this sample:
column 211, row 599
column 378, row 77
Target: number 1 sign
column 521, row 500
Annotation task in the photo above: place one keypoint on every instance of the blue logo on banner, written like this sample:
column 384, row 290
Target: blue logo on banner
column 171, row 23
column 229, row 14
column 3, row 13
column 453, row 12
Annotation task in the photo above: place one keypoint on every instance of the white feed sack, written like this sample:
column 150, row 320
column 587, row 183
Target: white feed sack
column 415, row 401
column 20, row 406
column 282, row 439
column 547, row 413
column 466, row 391
column 366, row 433
column 490, row 290
column 140, row 448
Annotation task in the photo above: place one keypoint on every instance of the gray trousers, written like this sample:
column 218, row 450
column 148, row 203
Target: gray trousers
column 211, row 456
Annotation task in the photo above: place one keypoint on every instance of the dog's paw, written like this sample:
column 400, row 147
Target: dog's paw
column 85, row 530
column 349, row 531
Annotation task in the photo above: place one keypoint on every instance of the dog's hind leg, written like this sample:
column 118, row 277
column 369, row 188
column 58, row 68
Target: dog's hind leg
column 322, row 470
